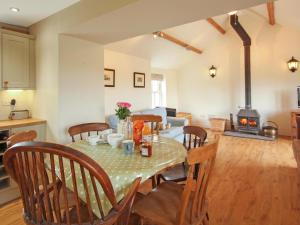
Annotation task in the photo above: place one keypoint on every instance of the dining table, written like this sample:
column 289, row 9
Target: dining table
column 123, row 168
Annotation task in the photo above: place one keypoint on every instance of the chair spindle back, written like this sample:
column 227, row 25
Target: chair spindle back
column 155, row 120
column 194, row 137
column 80, row 129
column 22, row 136
column 66, row 166
column 193, row 196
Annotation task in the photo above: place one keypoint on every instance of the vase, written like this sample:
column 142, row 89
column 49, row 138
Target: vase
column 121, row 128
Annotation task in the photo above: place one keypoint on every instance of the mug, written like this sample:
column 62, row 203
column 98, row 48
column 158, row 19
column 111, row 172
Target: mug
column 128, row 146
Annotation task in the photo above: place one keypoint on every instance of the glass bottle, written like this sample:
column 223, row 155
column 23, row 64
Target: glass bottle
column 129, row 129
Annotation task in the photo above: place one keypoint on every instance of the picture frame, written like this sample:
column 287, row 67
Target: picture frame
column 109, row 77
column 139, row 80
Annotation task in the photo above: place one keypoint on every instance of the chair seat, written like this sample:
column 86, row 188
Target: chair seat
column 176, row 174
column 160, row 206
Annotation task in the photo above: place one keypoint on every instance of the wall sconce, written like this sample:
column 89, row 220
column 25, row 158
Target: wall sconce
column 212, row 71
column 293, row 64
column 157, row 34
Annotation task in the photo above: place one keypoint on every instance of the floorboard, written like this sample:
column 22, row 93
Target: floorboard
column 253, row 183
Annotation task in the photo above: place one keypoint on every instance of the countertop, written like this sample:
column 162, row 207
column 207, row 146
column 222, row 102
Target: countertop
column 7, row 124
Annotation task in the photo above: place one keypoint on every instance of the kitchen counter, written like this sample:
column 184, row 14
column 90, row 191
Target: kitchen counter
column 7, row 124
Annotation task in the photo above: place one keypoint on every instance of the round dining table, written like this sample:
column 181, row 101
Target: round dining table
column 123, row 168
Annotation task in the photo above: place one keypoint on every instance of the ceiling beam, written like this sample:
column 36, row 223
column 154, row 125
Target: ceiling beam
column 216, row 25
column 271, row 13
column 177, row 42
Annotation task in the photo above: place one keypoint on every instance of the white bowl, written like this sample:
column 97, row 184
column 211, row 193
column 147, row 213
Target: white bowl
column 93, row 139
column 115, row 139
column 105, row 133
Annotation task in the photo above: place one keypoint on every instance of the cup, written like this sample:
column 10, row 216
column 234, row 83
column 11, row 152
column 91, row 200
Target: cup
column 115, row 140
column 93, row 139
column 128, row 146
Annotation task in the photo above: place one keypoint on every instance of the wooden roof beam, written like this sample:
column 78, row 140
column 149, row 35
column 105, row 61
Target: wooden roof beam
column 177, row 42
column 216, row 25
column 271, row 13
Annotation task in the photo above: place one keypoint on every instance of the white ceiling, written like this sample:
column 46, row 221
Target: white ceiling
column 164, row 54
column 286, row 13
column 145, row 16
column 31, row 11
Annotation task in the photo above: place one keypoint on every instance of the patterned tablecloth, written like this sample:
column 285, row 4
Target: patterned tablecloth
column 122, row 169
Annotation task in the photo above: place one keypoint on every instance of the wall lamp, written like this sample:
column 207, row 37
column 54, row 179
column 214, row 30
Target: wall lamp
column 157, row 34
column 212, row 71
column 293, row 64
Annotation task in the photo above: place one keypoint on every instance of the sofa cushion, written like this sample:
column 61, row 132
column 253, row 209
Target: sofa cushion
column 179, row 138
column 172, row 132
column 113, row 121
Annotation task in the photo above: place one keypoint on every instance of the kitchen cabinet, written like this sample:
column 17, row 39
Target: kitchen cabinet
column 17, row 60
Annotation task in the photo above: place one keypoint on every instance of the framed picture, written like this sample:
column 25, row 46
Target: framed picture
column 138, row 80
column 109, row 77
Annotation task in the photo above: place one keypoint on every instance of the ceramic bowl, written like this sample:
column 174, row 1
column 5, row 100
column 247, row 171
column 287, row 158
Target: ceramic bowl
column 93, row 139
column 115, row 139
column 105, row 133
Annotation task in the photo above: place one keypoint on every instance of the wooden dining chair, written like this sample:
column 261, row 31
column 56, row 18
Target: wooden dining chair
column 298, row 127
column 173, row 204
column 21, row 136
column 155, row 121
column 31, row 136
column 42, row 204
column 80, row 129
column 194, row 137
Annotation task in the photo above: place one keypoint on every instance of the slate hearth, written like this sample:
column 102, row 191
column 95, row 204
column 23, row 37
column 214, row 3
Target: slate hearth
column 248, row 135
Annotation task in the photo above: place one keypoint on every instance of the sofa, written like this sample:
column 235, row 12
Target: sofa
column 175, row 131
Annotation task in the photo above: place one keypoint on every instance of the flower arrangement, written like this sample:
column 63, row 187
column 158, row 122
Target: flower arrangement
column 123, row 110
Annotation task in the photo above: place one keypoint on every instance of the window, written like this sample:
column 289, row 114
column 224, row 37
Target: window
column 158, row 87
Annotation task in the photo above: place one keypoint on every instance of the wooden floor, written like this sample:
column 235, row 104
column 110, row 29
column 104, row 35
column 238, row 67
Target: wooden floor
column 254, row 183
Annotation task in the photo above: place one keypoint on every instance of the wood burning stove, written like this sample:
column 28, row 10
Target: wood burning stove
column 248, row 119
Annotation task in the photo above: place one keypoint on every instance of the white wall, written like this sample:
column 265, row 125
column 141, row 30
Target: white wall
column 273, row 85
column 125, row 66
column 171, row 78
column 47, row 31
column 46, row 97
column 81, row 92
column 69, row 81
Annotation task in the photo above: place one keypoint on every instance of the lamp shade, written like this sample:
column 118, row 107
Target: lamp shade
column 293, row 64
column 212, row 71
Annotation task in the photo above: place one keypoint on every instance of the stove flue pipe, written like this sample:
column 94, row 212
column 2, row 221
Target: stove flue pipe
column 234, row 21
